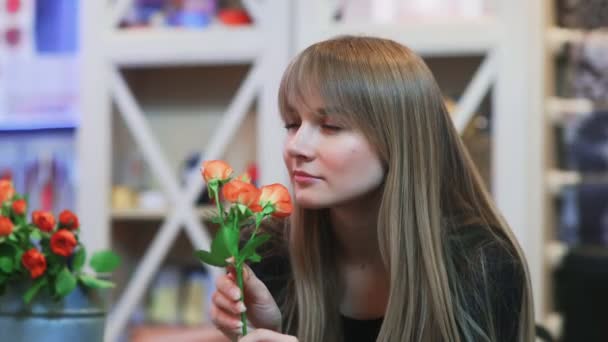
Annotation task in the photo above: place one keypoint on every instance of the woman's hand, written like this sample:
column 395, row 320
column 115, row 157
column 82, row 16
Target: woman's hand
column 263, row 335
column 262, row 311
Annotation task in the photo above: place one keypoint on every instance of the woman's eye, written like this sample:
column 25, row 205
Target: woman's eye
column 332, row 128
column 290, row 126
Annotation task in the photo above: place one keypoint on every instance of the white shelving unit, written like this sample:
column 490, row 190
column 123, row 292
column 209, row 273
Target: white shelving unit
column 106, row 49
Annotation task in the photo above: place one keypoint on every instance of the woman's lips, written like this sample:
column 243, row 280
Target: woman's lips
column 304, row 178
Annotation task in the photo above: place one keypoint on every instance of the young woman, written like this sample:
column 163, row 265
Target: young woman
column 393, row 236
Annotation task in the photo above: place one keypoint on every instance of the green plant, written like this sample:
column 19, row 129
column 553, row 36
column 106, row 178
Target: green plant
column 45, row 253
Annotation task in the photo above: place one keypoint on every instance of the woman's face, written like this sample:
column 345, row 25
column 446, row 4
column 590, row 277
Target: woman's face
column 329, row 162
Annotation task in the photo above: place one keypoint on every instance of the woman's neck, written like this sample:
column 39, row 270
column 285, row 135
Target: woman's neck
column 354, row 227
column 363, row 277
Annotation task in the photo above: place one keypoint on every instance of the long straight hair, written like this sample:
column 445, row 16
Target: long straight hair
column 430, row 189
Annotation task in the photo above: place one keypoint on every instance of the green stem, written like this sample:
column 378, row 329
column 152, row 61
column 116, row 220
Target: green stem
column 220, row 211
column 239, row 279
column 255, row 231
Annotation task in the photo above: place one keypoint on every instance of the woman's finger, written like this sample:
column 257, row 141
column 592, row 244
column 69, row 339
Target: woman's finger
column 228, row 288
column 227, row 323
column 227, row 304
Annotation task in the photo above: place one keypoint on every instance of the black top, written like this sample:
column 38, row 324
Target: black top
column 504, row 287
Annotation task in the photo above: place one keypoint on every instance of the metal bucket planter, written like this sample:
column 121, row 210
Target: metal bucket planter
column 80, row 316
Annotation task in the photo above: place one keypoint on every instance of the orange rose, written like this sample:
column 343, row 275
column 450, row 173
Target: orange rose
column 6, row 190
column 276, row 195
column 19, row 207
column 34, row 262
column 69, row 220
column 216, row 169
column 6, row 226
column 63, row 242
column 44, row 220
column 237, row 191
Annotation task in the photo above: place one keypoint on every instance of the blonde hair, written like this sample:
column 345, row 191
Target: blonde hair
column 431, row 192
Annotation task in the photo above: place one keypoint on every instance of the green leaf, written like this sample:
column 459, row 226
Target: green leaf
column 268, row 209
column 2, row 238
column 18, row 266
column 7, row 250
column 95, row 283
column 65, row 283
column 242, row 209
column 251, row 246
column 35, row 234
column 225, row 243
column 32, row 291
column 20, row 220
column 79, row 259
column 258, row 219
column 255, row 257
column 211, row 259
column 6, row 264
column 7, row 255
column 104, row 261
column 55, row 264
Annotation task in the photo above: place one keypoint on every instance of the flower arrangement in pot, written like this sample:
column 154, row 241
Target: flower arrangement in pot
column 249, row 206
column 45, row 254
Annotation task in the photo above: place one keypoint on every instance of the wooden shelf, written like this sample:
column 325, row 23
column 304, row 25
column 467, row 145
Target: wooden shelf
column 205, row 212
column 172, row 46
column 433, row 37
column 557, row 37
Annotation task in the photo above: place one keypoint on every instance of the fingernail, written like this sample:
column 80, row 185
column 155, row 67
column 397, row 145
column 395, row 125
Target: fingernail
column 241, row 307
column 239, row 324
column 236, row 294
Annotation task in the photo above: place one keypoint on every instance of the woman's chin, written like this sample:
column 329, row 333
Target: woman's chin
column 309, row 203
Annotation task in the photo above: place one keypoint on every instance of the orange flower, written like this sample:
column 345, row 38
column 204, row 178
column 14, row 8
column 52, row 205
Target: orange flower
column 6, row 190
column 6, row 226
column 43, row 220
column 276, row 195
column 63, row 242
column 34, row 262
column 216, row 169
column 237, row 191
column 19, row 207
column 69, row 220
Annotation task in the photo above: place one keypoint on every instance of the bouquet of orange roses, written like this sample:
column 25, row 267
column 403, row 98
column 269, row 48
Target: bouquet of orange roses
column 45, row 254
column 249, row 206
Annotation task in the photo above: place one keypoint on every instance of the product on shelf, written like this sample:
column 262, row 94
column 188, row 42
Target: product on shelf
column 389, row 11
column 185, row 13
column 196, row 289
column 582, row 13
column 41, row 165
column 234, row 17
column 587, row 61
column 164, row 297
column 178, row 297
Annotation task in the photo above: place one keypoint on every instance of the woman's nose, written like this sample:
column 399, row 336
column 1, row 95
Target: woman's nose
column 301, row 143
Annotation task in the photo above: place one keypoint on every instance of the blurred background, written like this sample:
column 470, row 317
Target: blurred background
column 107, row 107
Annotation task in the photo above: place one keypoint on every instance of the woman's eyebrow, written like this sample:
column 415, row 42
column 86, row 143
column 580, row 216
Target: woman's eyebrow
column 320, row 112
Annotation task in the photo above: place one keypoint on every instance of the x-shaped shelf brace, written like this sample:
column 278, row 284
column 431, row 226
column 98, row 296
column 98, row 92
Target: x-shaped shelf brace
column 475, row 91
column 183, row 212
